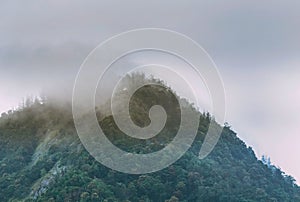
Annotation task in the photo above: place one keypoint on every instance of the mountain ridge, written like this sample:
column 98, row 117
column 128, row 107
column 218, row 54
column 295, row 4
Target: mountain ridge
column 42, row 159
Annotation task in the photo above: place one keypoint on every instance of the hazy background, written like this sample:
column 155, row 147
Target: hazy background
column 255, row 44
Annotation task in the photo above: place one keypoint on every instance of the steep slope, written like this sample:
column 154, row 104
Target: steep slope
column 42, row 159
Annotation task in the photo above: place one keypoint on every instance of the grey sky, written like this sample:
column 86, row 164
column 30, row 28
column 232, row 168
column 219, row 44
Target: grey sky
column 255, row 44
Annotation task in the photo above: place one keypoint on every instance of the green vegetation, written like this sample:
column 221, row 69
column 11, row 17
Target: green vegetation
column 42, row 159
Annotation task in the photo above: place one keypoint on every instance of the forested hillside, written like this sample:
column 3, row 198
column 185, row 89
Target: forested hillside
column 42, row 159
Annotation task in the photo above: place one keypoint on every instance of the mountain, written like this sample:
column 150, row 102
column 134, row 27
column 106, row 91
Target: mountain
column 42, row 159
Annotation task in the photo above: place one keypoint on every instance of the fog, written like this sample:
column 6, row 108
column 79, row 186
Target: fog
column 255, row 45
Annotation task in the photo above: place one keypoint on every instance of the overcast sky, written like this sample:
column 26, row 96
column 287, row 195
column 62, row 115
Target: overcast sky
column 255, row 44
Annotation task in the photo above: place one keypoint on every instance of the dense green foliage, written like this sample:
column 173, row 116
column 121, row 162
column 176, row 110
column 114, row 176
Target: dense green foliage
column 42, row 159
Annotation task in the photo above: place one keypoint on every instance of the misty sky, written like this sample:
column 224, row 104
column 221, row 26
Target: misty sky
column 255, row 44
